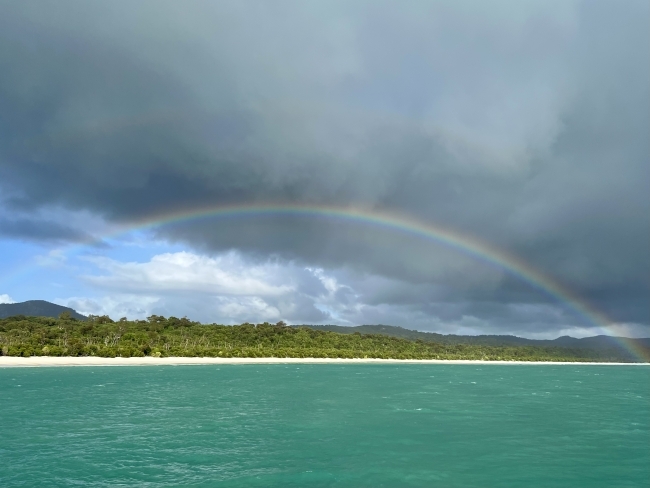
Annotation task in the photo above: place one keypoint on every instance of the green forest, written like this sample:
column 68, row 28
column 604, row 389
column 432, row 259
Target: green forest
column 162, row 337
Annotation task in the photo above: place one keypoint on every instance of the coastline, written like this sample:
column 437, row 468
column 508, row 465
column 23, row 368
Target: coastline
column 54, row 361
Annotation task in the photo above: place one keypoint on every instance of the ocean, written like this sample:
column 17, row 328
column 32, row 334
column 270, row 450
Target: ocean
column 352, row 425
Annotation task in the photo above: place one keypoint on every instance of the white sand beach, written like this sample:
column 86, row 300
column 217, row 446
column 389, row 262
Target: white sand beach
column 45, row 361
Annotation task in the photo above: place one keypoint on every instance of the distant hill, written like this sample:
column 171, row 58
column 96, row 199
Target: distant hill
column 601, row 342
column 37, row 308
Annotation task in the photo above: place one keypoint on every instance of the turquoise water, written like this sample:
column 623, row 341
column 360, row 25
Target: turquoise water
column 326, row 425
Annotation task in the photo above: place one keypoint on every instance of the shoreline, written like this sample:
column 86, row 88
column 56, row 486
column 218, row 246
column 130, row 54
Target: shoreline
column 58, row 361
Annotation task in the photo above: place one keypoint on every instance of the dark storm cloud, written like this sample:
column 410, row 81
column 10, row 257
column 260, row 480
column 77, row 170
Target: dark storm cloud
column 41, row 230
column 522, row 123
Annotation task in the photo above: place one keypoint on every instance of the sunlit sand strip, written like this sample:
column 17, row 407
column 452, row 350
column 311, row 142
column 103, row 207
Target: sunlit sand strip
column 44, row 361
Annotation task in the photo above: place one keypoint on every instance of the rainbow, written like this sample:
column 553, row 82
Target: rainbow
column 452, row 239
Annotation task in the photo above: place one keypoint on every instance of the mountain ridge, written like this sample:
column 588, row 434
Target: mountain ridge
column 594, row 342
column 37, row 308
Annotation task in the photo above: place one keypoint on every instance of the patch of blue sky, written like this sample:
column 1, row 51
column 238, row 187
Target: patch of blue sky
column 137, row 246
column 41, row 272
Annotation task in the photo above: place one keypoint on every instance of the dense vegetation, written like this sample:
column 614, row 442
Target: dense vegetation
column 606, row 346
column 160, row 337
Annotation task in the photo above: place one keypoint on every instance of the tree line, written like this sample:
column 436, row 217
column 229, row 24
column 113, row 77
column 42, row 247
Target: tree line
column 159, row 336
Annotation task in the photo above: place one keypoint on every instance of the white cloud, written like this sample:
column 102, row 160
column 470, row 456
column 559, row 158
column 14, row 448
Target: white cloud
column 6, row 299
column 226, row 274
column 115, row 306
column 225, row 288
column 55, row 258
column 204, row 308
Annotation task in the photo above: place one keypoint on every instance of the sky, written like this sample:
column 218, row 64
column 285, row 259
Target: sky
column 520, row 125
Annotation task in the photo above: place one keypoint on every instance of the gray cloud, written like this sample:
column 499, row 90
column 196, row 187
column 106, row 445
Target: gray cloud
column 523, row 124
column 41, row 230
